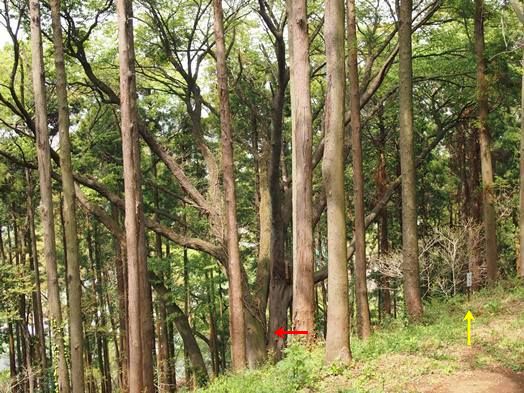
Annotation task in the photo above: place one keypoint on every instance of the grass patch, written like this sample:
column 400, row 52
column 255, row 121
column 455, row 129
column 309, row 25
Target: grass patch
column 398, row 355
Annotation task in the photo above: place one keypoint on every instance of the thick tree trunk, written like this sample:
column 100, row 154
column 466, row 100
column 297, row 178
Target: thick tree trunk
column 139, row 305
column 337, row 338
column 279, row 283
column 44, row 171
column 488, row 196
column 471, row 204
column 255, row 315
column 361, row 290
column 236, row 306
column 519, row 10
column 520, row 262
column 76, row 334
column 301, row 119
column 410, row 267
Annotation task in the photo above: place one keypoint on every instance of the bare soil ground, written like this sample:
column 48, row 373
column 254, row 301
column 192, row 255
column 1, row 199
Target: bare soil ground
column 480, row 381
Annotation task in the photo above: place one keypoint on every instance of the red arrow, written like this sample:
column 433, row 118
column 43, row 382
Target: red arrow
column 280, row 332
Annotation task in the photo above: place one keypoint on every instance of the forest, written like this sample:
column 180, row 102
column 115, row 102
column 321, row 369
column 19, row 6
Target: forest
column 261, row 196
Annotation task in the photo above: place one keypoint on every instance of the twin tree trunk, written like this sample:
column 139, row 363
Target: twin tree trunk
column 488, row 197
column 337, row 335
column 139, row 306
column 236, row 306
column 301, row 128
column 70, row 228
column 46, row 209
column 410, row 267
column 363, row 317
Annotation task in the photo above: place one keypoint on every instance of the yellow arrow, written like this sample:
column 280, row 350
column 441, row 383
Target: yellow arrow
column 469, row 318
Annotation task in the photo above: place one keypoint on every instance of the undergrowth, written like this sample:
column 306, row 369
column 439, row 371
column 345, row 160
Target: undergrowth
column 398, row 352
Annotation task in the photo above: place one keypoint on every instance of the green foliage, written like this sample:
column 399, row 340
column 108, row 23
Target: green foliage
column 396, row 354
column 300, row 369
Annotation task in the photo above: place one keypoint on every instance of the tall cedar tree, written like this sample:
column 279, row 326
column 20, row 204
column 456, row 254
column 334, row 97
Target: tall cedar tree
column 410, row 267
column 361, row 288
column 337, row 335
column 46, row 195
column 488, row 197
column 236, row 306
column 139, row 306
column 70, row 228
column 301, row 128
column 519, row 10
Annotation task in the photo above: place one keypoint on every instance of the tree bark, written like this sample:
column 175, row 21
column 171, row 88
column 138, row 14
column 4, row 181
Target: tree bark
column 37, row 294
column 44, row 171
column 184, row 328
column 410, row 266
column 70, row 227
column 139, row 306
column 279, row 283
column 103, row 336
column 488, row 197
column 337, row 338
column 121, row 281
column 519, row 10
column 236, row 306
column 301, row 119
column 361, row 289
column 255, row 316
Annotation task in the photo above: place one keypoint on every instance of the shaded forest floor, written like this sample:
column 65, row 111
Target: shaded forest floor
column 429, row 357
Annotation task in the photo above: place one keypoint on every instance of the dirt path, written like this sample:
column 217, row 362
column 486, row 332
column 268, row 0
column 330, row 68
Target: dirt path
column 480, row 381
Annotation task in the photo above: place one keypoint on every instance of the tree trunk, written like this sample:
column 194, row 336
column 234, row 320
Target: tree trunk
column 383, row 227
column 520, row 263
column 164, row 370
column 163, row 364
column 37, row 294
column 213, row 338
column 361, row 290
column 70, row 227
column 104, row 346
column 121, row 281
column 301, row 119
column 256, row 314
column 488, row 197
column 139, row 305
column 337, row 339
column 471, row 204
column 279, row 282
column 236, row 306
column 190, row 343
column 410, row 267
column 187, row 312
column 12, row 355
column 519, row 10
column 44, row 171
